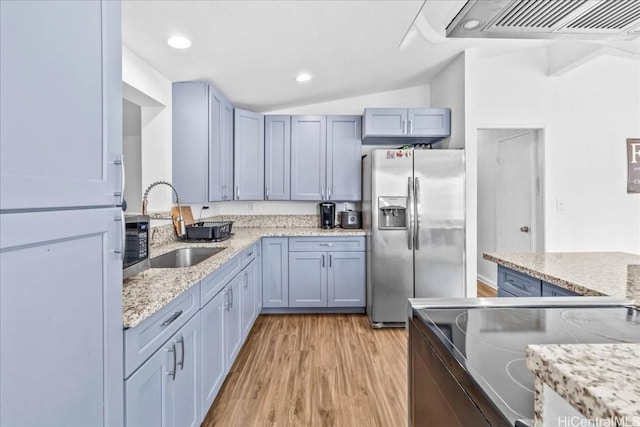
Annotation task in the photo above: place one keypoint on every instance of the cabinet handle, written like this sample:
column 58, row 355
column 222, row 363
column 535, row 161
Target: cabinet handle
column 517, row 285
column 328, row 193
column 181, row 363
column 246, row 280
column 123, row 236
column 170, row 320
column 250, row 254
column 326, row 244
column 237, row 192
column 266, row 191
column 404, row 126
column 173, row 373
column 120, row 162
column 227, row 303
column 321, row 193
column 231, row 300
column 323, row 260
column 223, row 192
column 410, row 126
column 330, row 261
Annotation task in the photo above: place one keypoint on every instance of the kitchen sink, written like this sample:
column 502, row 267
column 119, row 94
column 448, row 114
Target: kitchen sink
column 184, row 257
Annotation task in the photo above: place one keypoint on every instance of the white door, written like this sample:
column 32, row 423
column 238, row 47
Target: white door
column 515, row 191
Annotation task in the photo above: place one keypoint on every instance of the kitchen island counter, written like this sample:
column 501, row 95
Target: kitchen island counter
column 614, row 274
column 598, row 380
column 147, row 292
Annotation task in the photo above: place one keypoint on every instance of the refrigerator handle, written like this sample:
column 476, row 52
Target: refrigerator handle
column 417, row 211
column 410, row 211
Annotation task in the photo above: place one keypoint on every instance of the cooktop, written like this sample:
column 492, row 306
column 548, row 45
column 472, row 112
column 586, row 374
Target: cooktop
column 490, row 343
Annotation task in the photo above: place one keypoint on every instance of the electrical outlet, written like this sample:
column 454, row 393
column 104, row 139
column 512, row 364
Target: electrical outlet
column 346, row 206
column 559, row 204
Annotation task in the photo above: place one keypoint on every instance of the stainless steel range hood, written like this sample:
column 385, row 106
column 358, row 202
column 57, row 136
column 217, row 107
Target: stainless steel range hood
column 548, row 19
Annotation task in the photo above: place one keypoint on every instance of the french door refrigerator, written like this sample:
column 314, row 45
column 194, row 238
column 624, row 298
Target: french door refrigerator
column 414, row 215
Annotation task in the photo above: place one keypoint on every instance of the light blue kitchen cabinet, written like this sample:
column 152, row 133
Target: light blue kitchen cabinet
column 308, row 279
column 248, row 155
column 190, row 140
column 60, row 104
column 518, row 284
column 61, row 315
column 233, row 320
column 166, row 389
column 202, row 156
column 214, row 359
column 275, row 272
column 549, row 290
column 226, row 151
column 344, row 157
column 408, row 125
column 247, row 298
column 385, row 121
column 308, row 157
column 277, row 157
column 346, row 279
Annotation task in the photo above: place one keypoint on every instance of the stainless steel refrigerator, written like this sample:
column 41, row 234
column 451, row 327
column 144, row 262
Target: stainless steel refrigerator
column 414, row 212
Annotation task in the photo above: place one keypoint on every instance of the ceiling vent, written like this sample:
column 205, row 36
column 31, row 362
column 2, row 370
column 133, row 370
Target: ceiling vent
column 548, row 19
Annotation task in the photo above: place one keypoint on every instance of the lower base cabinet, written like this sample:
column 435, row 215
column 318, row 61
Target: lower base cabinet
column 515, row 284
column 214, row 366
column 346, row 279
column 248, row 298
column 307, row 279
column 233, row 320
column 165, row 390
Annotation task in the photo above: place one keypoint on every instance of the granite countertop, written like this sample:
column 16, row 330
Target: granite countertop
column 598, row 380
column 614, row 274
column 145, row 293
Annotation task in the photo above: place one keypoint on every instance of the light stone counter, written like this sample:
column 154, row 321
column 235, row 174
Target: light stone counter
column 145, row 293
column 615, row 274
column 601, row 381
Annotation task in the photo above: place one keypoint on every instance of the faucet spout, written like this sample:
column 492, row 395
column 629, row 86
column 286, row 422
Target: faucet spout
column 181, row 229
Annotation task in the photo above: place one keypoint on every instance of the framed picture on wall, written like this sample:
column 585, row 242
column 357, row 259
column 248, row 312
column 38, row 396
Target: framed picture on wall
column 633, row 165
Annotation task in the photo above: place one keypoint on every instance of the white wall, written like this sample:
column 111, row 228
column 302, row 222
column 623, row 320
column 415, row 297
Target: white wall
column 487, row 153
column 132, row 150
column 587, row 114
column 144, row 86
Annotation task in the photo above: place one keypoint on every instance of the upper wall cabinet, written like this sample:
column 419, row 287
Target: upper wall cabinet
column 248, row 155
column 277, row 157
column 325, row 157
column 202, row 143
column 402, row 125
column 60, row 104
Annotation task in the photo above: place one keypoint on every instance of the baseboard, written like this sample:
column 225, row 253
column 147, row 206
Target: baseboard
column 313, row 310
column 487, row 281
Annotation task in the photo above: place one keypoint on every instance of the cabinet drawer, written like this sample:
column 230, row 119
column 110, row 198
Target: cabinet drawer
column 301, row 244
column 549, row 290
column 143, row 340
column 518, row 284
column 249, row 254
column 214, row 282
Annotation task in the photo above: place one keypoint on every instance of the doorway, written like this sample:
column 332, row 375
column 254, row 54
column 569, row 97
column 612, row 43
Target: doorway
column 510, row 195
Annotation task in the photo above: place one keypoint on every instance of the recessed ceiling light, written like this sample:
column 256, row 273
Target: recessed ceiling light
column 179, row 42
column 303, row 77
column 471, row 24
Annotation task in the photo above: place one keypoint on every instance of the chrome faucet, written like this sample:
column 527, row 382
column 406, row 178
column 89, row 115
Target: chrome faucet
column 181, row 226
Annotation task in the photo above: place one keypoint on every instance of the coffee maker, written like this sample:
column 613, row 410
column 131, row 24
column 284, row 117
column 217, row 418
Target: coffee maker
column 327, row 215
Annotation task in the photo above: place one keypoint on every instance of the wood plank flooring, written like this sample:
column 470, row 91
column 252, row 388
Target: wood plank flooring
column 486, row 291
column 316, row 370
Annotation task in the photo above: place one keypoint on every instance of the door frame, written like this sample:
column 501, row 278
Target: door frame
column 541, row 135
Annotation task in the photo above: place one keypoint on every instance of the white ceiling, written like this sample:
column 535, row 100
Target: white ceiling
column 252, row 50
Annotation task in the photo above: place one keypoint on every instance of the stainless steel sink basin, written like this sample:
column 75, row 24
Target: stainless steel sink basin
column 185, row 257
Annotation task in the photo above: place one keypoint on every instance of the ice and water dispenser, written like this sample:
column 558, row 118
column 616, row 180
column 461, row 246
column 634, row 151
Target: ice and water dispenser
column 392, row 213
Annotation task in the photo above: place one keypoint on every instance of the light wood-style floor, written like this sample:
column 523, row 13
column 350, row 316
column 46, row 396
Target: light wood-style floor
column 316, row 370
column 486, row 291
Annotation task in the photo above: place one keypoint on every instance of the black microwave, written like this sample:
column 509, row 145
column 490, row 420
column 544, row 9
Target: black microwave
column 136, row 238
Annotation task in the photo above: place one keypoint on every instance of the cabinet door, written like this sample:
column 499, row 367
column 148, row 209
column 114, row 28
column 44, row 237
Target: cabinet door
column 258, row 266
column 385, row 121
column 248, row 155
column 275, row 272
column 149, row 391
column 187, row 386
column 431, row 122
column 549, row 290
column 308, row 279
column 247, row 298
column 226, row 154
column 277, row 153
column 233, row 321
column 344, row 157
column 60, row 104
column 190, row 145
column 215, row 160
column 346, row 279
column 308, row 157
column 61, row 346
column 214, row 368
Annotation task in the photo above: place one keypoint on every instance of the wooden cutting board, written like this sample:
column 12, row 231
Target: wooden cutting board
column 187, row 216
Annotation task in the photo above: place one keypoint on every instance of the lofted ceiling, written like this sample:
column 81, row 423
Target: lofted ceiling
column 252, row 50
